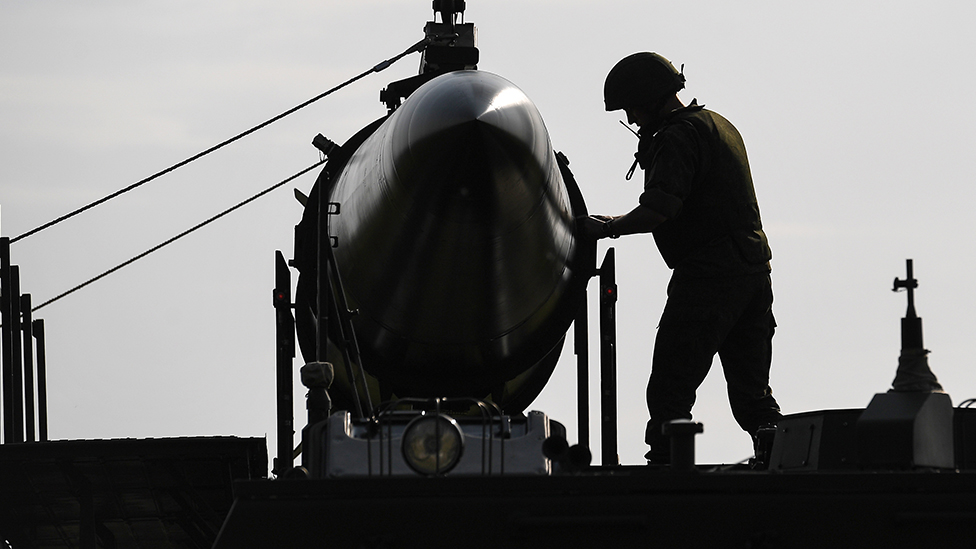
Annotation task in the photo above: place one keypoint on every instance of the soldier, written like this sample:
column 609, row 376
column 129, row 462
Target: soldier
column 700, row 205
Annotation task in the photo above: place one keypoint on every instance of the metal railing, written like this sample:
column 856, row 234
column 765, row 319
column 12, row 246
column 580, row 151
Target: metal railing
column 24, row 370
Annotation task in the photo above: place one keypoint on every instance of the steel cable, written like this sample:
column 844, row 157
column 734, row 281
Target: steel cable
column 377, row 68
column 181, row 235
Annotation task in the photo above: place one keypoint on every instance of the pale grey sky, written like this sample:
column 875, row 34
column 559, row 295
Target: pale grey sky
column 856, row 116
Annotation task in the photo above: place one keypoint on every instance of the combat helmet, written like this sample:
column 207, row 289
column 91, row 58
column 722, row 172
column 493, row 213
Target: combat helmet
column 640, row 79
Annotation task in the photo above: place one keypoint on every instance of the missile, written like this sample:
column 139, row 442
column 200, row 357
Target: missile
column 455, row 244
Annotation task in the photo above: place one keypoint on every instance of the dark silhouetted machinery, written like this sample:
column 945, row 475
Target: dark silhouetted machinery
column 454, row 242
column 439, row 273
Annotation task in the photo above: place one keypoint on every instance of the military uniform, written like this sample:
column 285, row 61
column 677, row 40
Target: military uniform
column 720, row 296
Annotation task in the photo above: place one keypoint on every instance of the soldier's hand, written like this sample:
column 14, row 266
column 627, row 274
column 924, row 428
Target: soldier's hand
column 591, row 227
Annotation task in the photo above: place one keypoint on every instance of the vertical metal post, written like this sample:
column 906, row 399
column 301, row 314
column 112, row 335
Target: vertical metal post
column 41, row 356
column 284, row 353
column 608, row 359
column 17, row 377
column 581, row 347
column 6, row 381
column 28, row 351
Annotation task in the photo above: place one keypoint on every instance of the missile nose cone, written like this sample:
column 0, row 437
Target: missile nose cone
column 477, row 135
column 471, row 101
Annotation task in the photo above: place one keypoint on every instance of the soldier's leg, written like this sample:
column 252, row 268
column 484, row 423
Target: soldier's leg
column 746, row 355
column 687, row 340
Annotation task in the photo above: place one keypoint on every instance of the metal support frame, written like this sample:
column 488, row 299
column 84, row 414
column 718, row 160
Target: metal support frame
column 346, row 335
column 41, row 357
column 27, row 328
column 608, row 359
column 6, row 381
column 284, row 353
column 337, row 307
column 21, row 411
column 17, row 372
column 333, row 304
column 581, row 347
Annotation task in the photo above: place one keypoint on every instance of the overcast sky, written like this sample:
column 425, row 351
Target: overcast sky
column 856, row 115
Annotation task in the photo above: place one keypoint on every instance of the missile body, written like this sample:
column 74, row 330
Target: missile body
column 455, row 244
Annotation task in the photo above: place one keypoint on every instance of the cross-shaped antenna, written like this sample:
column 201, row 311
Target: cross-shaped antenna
column 911, row 325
